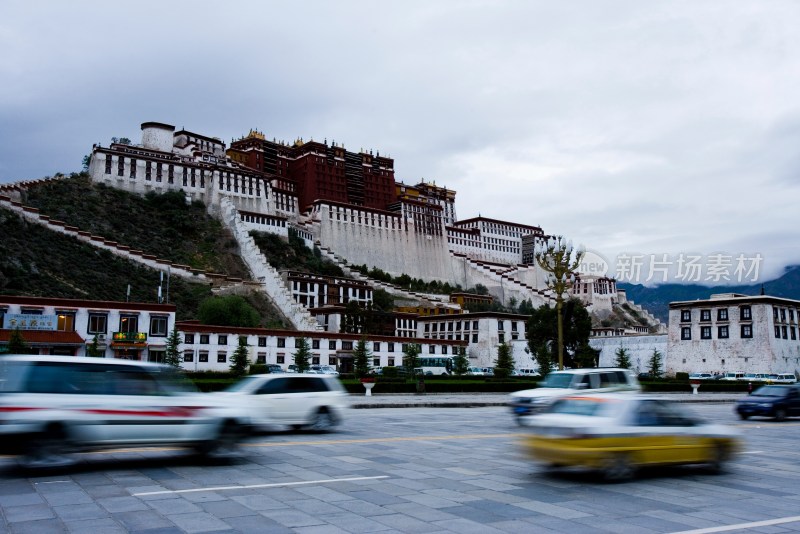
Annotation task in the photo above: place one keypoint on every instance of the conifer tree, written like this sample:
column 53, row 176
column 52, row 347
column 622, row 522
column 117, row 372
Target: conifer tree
column 16, row 343
column 655, row 364
column 361, row 356
column 173, row 355
column 623, row 358
column 504, row 364
column 411, row 357
column 461, row 362
column 239, row 360
column 302, row 355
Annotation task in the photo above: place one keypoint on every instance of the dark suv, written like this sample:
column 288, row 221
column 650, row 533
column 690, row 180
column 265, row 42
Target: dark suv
column 771, row 401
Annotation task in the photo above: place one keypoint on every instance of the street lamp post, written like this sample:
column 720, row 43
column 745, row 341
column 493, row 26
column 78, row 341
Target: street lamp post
column 559, row 260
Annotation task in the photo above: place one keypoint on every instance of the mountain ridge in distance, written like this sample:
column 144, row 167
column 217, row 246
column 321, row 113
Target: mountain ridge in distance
column 656, row 299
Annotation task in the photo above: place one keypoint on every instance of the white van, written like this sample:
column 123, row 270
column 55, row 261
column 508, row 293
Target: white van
column 733, row 376
column 532, row 373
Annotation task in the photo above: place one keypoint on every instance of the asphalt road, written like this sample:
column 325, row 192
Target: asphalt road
column 406, row 470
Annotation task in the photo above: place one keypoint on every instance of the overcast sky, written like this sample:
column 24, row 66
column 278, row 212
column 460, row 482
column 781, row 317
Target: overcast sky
column 631, row 127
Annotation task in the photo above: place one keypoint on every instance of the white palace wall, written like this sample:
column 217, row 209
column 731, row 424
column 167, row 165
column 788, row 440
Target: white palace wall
column 639, row 349
column 382, row 240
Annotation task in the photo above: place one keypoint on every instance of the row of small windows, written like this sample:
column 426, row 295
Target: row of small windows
column 723, row 332
column 745, row 314
column 780, row 314
column 97, row 323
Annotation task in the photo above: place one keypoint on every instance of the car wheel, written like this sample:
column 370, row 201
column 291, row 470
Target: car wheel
column 225, row 443
column 323, row 421
column 780, row 414
column 618, row 468
column 48, row 449
column 719, row 455
column 743, row 416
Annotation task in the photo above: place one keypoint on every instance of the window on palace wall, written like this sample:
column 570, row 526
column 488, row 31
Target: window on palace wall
column 261, row 358
column 315, row 343
column 98, row 323
column 222, row 357
column 722, row 314
column 203, row 357
column 686, row 333
column 347, row 345
column 390, row 347
column 222, row 340
column 188, row 338
column 204, row 339
column 129, row 323
column 188, row 356
column 745, row 313
column 376, row 346
column 66, row 322
column 705, row 315
column 281, row 342
column 747, row 331
column 158, row 325
column 722, row 332
column 262, row 341
column 332, row 344
column 280, row 358
column 686, row 316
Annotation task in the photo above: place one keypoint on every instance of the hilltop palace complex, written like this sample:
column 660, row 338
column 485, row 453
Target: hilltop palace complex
column 348, row 204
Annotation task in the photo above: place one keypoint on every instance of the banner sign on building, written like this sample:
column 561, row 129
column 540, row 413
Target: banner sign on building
column 12, row 321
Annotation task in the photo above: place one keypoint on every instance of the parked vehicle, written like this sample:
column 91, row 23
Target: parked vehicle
column 475, row 371
column 560, row 383
column 52, row 406
column 786, row 378
column 619, row 433
column 313, row 401
column 776, row 401
column 733, row 376
column 324, row 370
column 701, row 376
column 532, row 373
column 274, row 368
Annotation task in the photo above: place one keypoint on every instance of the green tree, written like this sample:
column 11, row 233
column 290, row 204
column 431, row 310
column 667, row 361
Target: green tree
column 586, row 356
column 382, row 300
column 302, row 355
column 173, row 354
column 504, row 363
column 93, row 349
column 361, row 356
column 623, row 358
column 543, row 355
column 239, row 361
column 17, row 343
column 411, row 357
column 655, row 364
column 542, row 332
column 461, row 362
column 87, row 159
column 229, row 310
column 559, row 260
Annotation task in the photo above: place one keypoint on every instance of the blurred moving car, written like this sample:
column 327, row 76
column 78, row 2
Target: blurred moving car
column 777, row 401
column 559, row 383
column 52, row 406
column 313, row 401
column 619, row 433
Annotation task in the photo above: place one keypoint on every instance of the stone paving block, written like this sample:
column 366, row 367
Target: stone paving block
column 423, row 513
column 30, row 512
column 455, row 496
column 404, row 523
column 175, row 505
column 226, row 509
column 73, row 512
column 315, row 507
column 356, row 524
column 376, row 497
column 141, row 520
column 105, row 490
column 320, row 529
column 292, row 518
column 122, row 504
column 99, row 526
column 364, row 508
column 21, row 499
column 198, row 522
column 465, row 526
column 68, row 497
column 44, row 526
column 255, row 524
column 431, row 500
column 550, row 509
column 324, row 493
column 258, row 502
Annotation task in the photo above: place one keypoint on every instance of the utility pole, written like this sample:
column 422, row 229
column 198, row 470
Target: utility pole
column 560, row 261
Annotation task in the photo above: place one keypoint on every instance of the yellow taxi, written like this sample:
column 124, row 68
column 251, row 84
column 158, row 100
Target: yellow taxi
column 618, row 433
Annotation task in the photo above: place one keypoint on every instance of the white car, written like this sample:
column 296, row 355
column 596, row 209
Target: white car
column 52, row 406
column 786, row 378
column 559, row 383
column 475, row 371
column 298, row 400
column 324, row 370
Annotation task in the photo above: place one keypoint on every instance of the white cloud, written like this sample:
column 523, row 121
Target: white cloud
column 629, row 126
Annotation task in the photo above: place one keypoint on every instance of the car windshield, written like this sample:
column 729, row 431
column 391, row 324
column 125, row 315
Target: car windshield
column 557, row 380
column 770, row 391
column 242, row 384
column 584, row 406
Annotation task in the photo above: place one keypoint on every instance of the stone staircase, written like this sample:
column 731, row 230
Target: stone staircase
column 501, row 274
column 266, row 275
